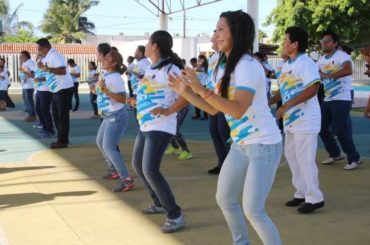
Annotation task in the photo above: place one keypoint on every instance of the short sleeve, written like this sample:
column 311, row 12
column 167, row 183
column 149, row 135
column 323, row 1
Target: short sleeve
column 248, row 74
column 56, row 61
column 310, row 74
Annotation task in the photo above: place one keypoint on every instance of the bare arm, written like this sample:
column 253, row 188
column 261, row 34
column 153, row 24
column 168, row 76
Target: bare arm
column 178, row 105
column 345, row 71
column 276, row 98
column 307, row 94
column 209, row 101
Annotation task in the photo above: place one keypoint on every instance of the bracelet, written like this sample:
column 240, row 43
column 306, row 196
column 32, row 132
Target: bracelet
column 207, row 94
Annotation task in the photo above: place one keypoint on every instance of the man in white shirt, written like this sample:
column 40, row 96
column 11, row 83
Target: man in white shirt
column 336, row 70
column 139, row 69
column 61, row 85
column 298, row 83
column 75, row 72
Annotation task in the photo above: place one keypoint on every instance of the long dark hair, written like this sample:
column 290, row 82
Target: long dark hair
column 205, row 62
column 164, row 43
column 104, row 48
column 242, row 31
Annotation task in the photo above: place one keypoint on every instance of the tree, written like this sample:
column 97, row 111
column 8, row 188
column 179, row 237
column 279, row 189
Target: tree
column 261, row 36
column 349, row 18
column 23, row 36
column 65, row 22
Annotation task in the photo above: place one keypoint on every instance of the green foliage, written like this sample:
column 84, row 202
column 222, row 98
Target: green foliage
column 4, row 6
column 348, row 18
column 23, row 36
column 64, row 21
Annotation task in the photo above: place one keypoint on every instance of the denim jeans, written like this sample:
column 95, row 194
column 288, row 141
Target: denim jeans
column 220, row 133
column 109, row 135
column 77, row 97
column 249, row 170
column 27, row 95
column 336, row 119
column 147, row 156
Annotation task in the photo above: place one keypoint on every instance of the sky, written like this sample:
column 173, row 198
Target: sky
column 112, row 17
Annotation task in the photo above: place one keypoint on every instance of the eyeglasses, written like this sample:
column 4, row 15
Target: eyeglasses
column 325, row 41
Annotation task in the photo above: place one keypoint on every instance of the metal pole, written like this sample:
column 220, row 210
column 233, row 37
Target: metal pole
column 252, row 8
column 163, row 18
column 184, row 25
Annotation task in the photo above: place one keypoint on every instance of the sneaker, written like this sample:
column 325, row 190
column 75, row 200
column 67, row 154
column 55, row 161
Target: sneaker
column 124, row 185
column 352, row 165
column 37, row 125
column 185, row 155
column 331, row 160
column 173, row 225
column 215, row 170
column 295, row 202
column 111, row 174
column 153, row 209
column 310, row 207
column 172, row 150
column 95, row 117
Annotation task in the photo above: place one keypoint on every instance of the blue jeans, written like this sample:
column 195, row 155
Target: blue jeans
column 336, row 120
column 147, row 156
column 109, row 135
column 27, row 95
column 220, row 133
column 249, row 169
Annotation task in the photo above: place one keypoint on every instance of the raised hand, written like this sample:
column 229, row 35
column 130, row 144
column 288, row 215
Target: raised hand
column 178, row 84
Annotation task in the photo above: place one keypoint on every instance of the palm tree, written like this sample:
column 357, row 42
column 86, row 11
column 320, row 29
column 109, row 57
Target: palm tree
column 64, row 21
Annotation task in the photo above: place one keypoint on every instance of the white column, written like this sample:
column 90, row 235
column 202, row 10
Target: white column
column 252, row 9
column 163, row 22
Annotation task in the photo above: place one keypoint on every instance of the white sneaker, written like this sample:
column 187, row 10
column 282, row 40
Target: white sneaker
column 352, row 165
column 331, row 160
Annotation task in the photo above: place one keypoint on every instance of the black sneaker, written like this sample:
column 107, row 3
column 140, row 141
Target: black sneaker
column 215, row 170
column 310, row 207
column 295, row 202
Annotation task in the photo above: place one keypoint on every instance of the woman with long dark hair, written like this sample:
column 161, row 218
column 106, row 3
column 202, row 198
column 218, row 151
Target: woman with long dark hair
column 157, row 105
column 250, row 166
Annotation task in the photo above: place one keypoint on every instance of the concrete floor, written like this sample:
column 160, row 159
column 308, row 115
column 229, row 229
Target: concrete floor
column 57, row 196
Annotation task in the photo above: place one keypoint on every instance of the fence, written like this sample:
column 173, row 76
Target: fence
column 82, row 60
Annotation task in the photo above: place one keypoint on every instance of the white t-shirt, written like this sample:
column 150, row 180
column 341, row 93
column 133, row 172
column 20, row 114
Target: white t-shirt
column 202, row 77
column 278, row 68
column 257, row 125
column 130, row 68
column 153, row 92
column 296, row 76
column 340, row 88
column 27, row 82
column 212, row 62
column 5, row 81
column 75, row 70
column 54, row 59
column 91, row 78
column 41, row 86
column 138, row 70
column 114, row 84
